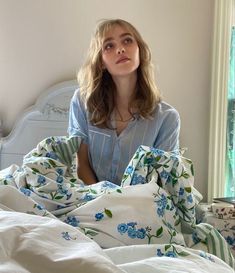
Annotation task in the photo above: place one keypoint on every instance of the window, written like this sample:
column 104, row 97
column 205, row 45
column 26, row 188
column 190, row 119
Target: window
column 230, row 139
column 223, row 20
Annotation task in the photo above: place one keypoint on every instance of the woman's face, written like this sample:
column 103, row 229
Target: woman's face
column 120, row 52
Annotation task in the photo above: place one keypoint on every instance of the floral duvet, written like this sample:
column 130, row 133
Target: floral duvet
column 52, row 219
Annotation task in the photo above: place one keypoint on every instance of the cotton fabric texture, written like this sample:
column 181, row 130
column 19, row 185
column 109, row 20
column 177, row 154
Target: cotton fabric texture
column 110, row 153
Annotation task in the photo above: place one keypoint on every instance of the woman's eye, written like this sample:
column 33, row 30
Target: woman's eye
column 128, row 40
column 108, row 46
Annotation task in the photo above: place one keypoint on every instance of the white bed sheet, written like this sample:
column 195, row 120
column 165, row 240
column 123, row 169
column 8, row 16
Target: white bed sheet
column 36, row 244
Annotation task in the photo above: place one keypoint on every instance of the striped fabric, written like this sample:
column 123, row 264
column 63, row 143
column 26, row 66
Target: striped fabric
column 66, row 149
column 110, row 153
column 215, row 242
column 61, row 147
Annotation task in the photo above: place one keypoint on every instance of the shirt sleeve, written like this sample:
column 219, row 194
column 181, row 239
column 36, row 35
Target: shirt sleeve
column 77, row 118
column 168, row 136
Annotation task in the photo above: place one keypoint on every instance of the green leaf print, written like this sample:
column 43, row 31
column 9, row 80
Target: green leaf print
column 52, row 163
column 5, row 182
column 185, row 175
column 183, row 253
column 159, row 232
column 73, row 180
column 188, row 189
column 177, row 222
column 108, row 213
column 93, row 191
column 58, row 197
column 35, row 170
column 167, row 247
column 91, row 232
column 192, row 169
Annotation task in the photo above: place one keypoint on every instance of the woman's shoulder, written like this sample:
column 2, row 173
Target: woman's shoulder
column 77, row 100
column 77, row 94
column 164, row 107
column 165, row 111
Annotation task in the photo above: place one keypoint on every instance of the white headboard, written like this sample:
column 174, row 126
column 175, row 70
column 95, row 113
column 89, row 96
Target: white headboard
column 48, row 117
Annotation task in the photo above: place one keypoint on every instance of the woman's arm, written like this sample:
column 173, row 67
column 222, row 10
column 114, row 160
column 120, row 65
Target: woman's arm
column 84, row 170
column 168, row 136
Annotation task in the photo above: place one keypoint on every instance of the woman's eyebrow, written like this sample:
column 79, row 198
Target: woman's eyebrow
column 122, row 35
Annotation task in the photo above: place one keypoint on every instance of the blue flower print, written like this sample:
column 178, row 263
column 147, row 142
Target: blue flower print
column 195, row 238
column 122, row 228
column 164, row 174
column 181, row 191
column 159, row 252
column 129, row 169
column 39, row 207
column 137, row 179
column 60, row 179
column 9, row 176
column 132, row 232
column 87, row 197
column 41, row 180
column 190, row 198
column 206, row 256
column 48, row 140
column 141, row 233
column 62, row 189
column 160, row 212
column 169, row 179
column 162, row 202
column 108, row 184
column 25, row 191
column 99, row 216
column 66, row 236
column 68, row 196
column 230, row 240
column 52, row 155
column 171, row 254
column 72, row 220
column 156, row 151
column 58, row 142
column 132, row 224
column 149, row 161
column 60, row 171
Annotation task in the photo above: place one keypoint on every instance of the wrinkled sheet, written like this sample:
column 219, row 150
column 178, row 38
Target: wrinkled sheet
column 35, row 244
column 155, row 203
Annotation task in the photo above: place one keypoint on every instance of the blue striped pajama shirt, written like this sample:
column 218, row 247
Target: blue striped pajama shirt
column 109, row 153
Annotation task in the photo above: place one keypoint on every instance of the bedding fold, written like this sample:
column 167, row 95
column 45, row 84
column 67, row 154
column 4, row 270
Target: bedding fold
column 155, row 204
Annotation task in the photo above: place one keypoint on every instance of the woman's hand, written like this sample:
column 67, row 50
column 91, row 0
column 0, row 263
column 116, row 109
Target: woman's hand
column 84, row 169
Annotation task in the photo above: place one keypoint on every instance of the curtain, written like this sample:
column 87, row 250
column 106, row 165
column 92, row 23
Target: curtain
column 230, row 149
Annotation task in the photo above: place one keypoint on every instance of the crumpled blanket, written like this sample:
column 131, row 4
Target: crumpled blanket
column 155, row 203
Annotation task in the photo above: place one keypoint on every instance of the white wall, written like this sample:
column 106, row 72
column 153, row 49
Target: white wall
column 44, row 42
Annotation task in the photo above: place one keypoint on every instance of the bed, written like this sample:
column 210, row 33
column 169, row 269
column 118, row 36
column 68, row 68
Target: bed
column 48, row 117
column 50, row 221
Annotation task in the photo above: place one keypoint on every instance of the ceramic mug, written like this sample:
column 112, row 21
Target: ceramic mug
column 222, row 210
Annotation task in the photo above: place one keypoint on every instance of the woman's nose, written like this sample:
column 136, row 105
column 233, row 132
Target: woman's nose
column 121, row 50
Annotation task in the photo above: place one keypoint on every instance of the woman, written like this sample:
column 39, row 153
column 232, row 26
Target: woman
column 118, row 106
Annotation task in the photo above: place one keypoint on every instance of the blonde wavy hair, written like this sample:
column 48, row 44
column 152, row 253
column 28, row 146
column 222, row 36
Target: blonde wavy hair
column 97, row 88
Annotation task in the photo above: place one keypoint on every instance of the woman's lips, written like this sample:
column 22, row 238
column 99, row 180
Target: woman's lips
column 122, row 60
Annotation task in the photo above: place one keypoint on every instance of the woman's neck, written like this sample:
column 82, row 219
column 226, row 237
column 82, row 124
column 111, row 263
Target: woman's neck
column 126, row 88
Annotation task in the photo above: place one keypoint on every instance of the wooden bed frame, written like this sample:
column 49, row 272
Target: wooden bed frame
column 48, row 117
